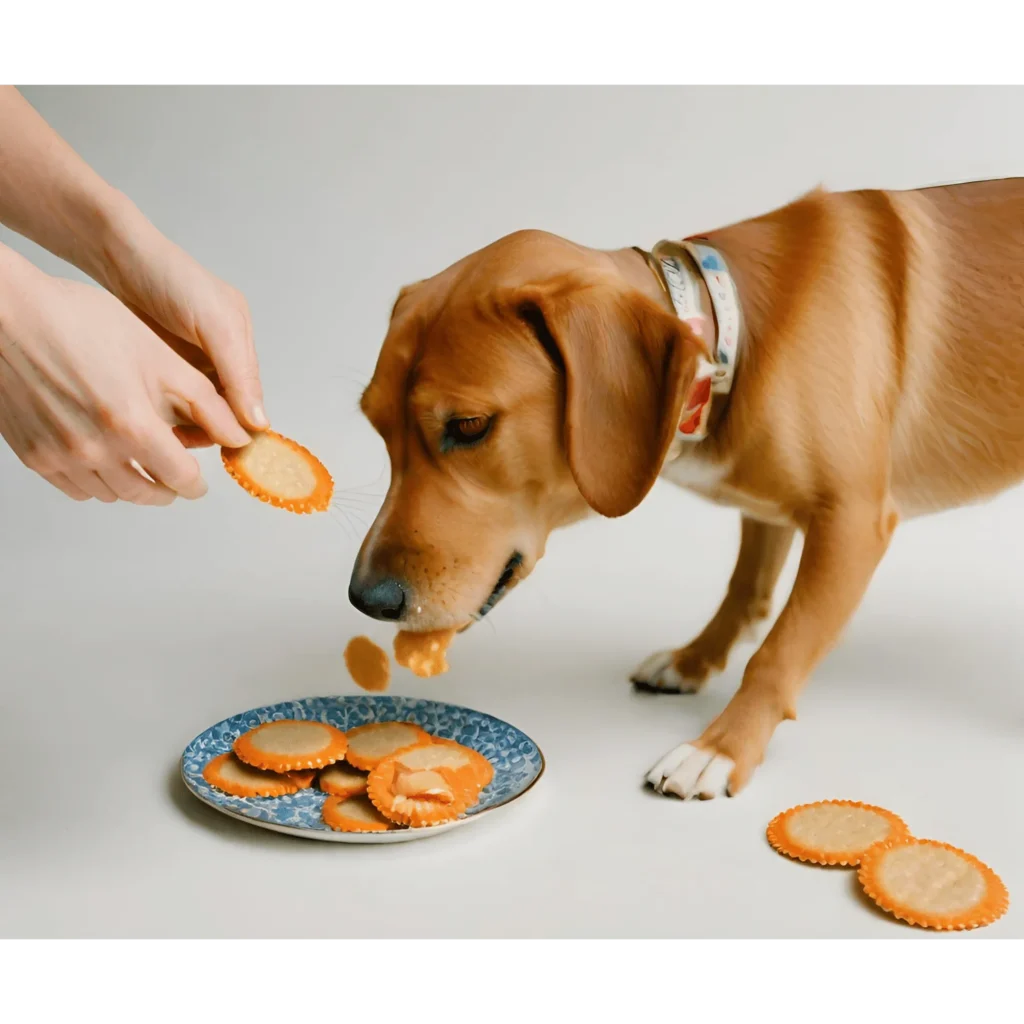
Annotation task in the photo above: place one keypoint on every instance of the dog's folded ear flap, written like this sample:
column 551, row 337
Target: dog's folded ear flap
column 628, row 364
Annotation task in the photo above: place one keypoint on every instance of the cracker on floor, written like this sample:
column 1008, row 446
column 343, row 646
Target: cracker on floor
column 342, row 780
column 933, row 885
column 833, row 832
column 368, row 664
column 423, row 654
column 233, row 776
column 368, row 745
column 417, row 797
column 291, row 745
column 281, row 472
column 354, row 814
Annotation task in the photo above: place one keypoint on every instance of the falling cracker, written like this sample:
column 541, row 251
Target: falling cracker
column 423, row 654
column 417, row 797
column 280, row 471
column 342, row 780
column 291, row 745
column 368, row 745
column 833, row 832
column 233, row 776
column 354, row 814
column 933, row 885
column 368, row 664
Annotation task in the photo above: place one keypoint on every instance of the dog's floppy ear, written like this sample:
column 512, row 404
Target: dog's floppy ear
column 628, row 364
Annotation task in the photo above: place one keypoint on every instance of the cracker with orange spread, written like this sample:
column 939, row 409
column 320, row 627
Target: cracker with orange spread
column 342, row 780
column 281, row 472
column 233, row 776
column 933, row 885
column 423, row 654
column 291, row 745
column 354, row 814
column 368, row 745
column 368, row 664
column 418, row 797
column 833, row 832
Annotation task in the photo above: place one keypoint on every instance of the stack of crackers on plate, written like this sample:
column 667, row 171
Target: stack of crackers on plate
column 381, row 776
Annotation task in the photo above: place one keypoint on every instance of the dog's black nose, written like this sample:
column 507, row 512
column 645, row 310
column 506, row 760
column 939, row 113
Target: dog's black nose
column 380, row 599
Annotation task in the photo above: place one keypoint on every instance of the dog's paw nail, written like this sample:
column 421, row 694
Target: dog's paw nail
column 658, row 674
column 690, row 772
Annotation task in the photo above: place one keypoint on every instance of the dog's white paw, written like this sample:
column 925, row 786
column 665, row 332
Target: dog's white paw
column 688, row 771
column 658, row 672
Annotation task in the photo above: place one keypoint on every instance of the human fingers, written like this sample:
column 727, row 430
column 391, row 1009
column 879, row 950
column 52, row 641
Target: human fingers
column 130, row 485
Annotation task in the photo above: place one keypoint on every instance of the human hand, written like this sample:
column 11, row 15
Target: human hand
column 88, row 391
column 202, row 318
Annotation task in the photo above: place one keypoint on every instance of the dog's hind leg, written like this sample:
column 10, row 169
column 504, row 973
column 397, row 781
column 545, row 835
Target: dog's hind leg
column 762, row 554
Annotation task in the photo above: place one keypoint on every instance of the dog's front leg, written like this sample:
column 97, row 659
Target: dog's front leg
column 843, row 545
column 763, row 551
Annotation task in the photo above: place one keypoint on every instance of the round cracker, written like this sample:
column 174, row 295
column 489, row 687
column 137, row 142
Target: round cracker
column 281, row 472
column 291, row 745
column 933, row 885
column 419, row 797
column 833, row 832
column 342, row 780
column 354, row 814
column 368, row 745
column 233, row 776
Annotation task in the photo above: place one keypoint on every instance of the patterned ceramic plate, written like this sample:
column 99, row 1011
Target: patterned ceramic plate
column 517, row 760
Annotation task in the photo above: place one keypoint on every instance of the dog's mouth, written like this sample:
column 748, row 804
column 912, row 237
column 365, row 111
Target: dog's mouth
column 506, row 581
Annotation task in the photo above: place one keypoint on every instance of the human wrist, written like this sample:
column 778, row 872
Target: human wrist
column 21, row 285
column 124, row 241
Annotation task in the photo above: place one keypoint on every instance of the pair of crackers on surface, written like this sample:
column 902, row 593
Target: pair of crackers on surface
column 284, row 474
column 919, row 881
column 379, row 776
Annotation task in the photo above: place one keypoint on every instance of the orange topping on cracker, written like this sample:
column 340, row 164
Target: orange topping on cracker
column 354, row 814
column 291, row 745
column 368, row 745
column 236, row 777
column 417, row 797
column 368, row 664
column 279, row 471
column 933, row 885
column 423, row 654
column 342, row 780
column 833, row 831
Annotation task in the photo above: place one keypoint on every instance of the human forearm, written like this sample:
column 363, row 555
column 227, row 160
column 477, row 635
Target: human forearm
column 50, row 195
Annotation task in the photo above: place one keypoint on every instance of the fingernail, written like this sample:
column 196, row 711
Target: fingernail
column 241, row 438
column 257, row 417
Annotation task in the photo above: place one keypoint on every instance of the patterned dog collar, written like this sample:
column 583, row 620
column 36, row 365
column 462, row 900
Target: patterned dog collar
column 677, row 265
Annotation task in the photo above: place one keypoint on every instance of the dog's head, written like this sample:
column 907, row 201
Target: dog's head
column 516, row 391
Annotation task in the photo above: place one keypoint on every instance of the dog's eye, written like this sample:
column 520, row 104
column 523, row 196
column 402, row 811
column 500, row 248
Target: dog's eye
column 466, row 430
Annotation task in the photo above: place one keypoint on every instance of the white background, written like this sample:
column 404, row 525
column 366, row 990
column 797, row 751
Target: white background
column 125, row 631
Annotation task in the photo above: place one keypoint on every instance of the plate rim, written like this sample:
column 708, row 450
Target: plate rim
column 361, row 838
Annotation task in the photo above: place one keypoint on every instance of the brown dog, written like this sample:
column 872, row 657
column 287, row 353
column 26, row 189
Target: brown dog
column 881, row 376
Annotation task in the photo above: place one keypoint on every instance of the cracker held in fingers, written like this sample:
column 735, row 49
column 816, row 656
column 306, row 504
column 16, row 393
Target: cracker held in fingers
column 342, row 780
column 281, row 472
column 418, row 797
column 933, row 885
column 291, row 745
column 368, row 664
column 423, row 654
column 833, row 832
column 354, row 814
column 368, row 745
column 233, row 776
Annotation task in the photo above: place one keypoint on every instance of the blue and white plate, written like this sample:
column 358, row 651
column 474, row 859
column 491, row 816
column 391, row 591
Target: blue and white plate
column 518, row 762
